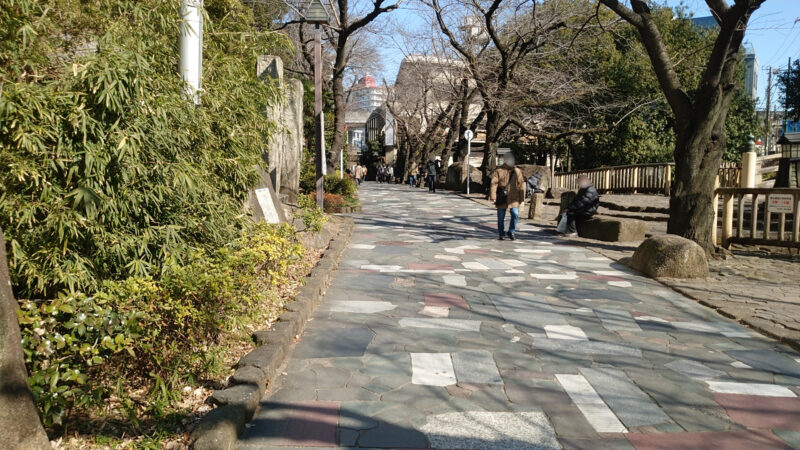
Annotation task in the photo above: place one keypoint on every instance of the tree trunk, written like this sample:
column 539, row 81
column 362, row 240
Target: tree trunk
column 20, row 426
column 489, row 163
column 698, row 153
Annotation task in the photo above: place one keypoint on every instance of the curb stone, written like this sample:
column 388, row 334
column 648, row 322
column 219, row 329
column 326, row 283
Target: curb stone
column 221, row 427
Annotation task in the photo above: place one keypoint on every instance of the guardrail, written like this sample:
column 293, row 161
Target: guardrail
column 639, row 178
column 755, row 211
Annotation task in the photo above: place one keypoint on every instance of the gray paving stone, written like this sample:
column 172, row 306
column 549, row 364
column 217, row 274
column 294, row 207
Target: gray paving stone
column 347, row 438
column 345, row 395
column 476, row 366
column 616, row 319
column 334, row 342
column 584, row 347
column 632, row 406
column 387, row 435
column 767, row 360
column 694, row 369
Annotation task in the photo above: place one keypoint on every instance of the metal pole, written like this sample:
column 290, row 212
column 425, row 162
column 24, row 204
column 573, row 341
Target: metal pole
column 191, row 48
column 469, row 174
column 341, row 165
column 767, row 112
column 319, row 129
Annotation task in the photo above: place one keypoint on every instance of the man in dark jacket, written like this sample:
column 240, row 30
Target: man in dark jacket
column 431, row 173
column 583, row 206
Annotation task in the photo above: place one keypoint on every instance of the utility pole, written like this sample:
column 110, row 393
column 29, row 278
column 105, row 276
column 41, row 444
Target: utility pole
column 318, row 15
column 767, row 146
column 191, row 48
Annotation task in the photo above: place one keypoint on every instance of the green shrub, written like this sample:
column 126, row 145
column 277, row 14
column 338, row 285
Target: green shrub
column 106, row 172
column 157, row 334
column 345, row 187
column 312, row 215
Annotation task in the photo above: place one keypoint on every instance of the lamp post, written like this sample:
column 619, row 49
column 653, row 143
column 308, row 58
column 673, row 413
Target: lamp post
column 191, row 48
column 318, row 15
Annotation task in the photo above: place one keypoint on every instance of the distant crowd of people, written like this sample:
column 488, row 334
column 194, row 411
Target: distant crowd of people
column 508, row 190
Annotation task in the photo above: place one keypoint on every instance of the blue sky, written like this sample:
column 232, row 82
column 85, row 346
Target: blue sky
column 774, row 32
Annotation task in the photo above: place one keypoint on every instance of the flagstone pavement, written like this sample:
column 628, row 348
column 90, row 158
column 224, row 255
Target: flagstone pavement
column 434, row 334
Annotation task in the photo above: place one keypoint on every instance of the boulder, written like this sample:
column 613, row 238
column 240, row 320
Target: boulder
column 612, row 229
column 556, row 192
column 454, row 179
column 531, row 169
column 670, row 256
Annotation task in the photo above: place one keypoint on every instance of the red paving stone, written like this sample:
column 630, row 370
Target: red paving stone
column 393, row 243
column 445, row 299
column 476, row 251
column 358, row 271
column 722, row 440
column 601, row 277
column 311, row 424
column 427, row 266
column 755, row 411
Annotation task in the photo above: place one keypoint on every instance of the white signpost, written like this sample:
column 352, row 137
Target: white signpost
column 781, row 203
column 468, row 135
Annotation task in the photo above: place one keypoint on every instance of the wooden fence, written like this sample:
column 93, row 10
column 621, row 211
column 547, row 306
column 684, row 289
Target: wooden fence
column 754, row 211
column 639, row 178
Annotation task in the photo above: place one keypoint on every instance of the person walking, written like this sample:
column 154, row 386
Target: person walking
column 390, row 174
column 412, row 176
column 583, row 206
column 507, row 191
column 431, row 173
column 359, row 174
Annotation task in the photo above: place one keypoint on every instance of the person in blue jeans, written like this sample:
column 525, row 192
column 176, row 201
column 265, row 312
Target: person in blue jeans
column 507, row 192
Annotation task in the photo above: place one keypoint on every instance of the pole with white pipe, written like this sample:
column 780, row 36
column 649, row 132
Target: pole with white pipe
column 191, row 48
column 468, row 135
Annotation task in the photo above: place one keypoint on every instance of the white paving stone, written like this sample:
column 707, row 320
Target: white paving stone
column 432, row 369
column 474, row 265
column 362, row 307
column 483, row 430
column 436, row 311
column 609, row 273
column 382, row 268
column 651, row 319
column 455, row 280
column 565, row 332
column 625, row 284
column 362, row 246
column 460, row 250
column 444, row 324
column 513, row 262
column 555, row 276
column 508, row 280
column 740, row 365
column 765, row 390
column 448, row 257
column 597, row 413
column 532, row 250
column 514, row 271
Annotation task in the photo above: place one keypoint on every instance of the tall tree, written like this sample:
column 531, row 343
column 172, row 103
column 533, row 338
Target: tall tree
column 346, row 24
column 699, row 118
column 789, row 87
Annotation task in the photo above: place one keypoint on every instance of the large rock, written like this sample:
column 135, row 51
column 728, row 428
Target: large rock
column 612, row 229
column 670, row 256
column 530, row 169
column 454, row 180
column 20, row 426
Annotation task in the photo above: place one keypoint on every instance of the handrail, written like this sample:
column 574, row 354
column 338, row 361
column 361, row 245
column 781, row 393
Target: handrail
column 760, row 214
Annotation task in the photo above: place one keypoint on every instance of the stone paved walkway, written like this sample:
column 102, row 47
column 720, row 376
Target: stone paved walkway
column 435, row 335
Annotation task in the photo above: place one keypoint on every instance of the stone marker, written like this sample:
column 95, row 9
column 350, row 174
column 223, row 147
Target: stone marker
column 612, row 229
column 670, row 256
column 536, row 206
column 263, row 201
column 20, row 426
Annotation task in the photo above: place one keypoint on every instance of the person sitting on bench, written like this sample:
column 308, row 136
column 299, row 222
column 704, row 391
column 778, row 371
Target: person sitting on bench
column 583, row 206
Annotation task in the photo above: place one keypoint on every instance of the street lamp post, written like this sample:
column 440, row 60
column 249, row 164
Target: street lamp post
column 468, row 135
column 318, row 15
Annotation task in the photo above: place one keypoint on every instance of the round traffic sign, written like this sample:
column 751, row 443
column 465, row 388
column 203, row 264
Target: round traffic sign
column 468, row 135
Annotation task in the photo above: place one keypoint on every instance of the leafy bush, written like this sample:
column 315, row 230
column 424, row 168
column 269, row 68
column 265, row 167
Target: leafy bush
column 345, row 187
column 313, row 217
column 142, row 332
column 106, row 172
column 332, row 203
